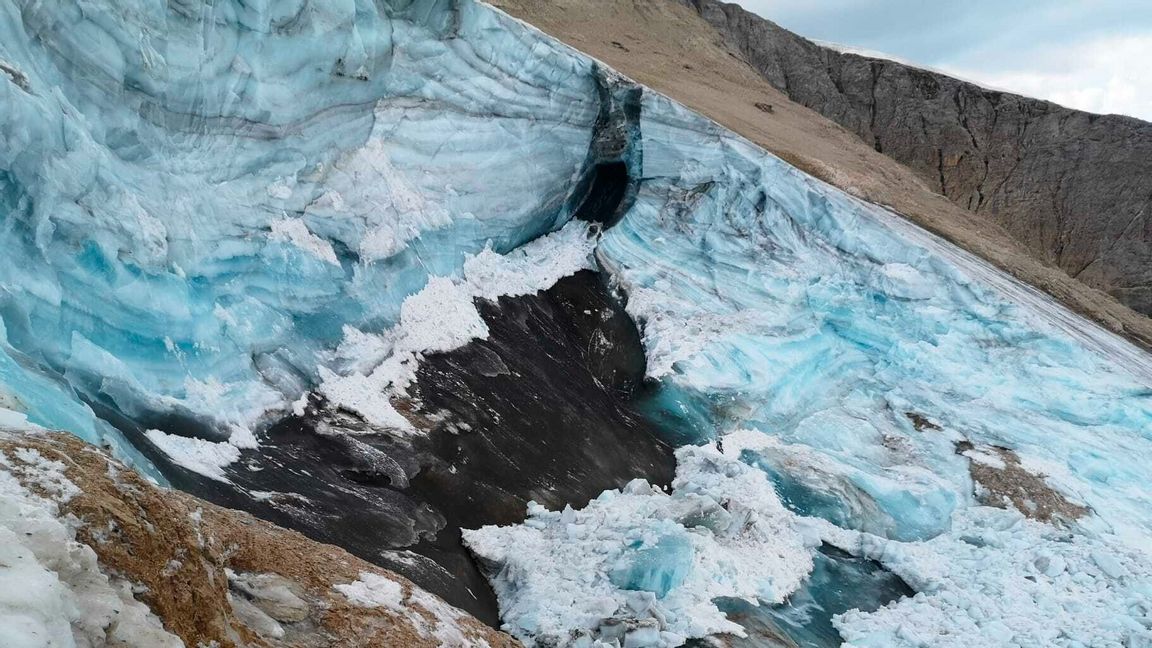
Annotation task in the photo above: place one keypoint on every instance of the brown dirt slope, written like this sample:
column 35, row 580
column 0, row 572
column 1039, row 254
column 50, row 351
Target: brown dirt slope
column 668, row 47
column 220, row 577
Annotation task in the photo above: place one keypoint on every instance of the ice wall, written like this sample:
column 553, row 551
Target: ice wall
column 855, row 361
column 771, row 301
column 196, row 199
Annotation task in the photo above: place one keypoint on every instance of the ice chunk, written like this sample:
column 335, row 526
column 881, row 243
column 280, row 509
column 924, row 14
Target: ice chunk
column 642, row 566
column 657, row 567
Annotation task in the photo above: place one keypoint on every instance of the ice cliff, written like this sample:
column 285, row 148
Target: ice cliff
column 199, row 199
column 216, row 215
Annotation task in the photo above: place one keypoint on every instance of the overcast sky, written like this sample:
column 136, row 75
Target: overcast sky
column 1094, row 55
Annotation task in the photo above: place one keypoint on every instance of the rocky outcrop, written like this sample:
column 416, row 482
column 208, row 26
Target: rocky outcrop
column 543, row 410
column 210, row 575
column 1074, row 187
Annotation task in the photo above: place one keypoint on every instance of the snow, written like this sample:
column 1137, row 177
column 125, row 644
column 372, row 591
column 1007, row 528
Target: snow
column 52, row 592
column 994, row 578
column 207, row 458
column 999, row 579
column 296, row 232
column 442, row 317
column 373, row 590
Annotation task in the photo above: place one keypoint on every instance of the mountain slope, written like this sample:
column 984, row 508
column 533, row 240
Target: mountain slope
column 1074, row 187
column 669, row 47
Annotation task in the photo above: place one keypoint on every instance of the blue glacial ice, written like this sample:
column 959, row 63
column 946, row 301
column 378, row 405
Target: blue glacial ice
column 848, row 356
column 199, row 200
column 210, row 210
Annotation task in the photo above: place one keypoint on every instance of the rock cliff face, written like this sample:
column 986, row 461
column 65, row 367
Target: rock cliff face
column 1074, row 187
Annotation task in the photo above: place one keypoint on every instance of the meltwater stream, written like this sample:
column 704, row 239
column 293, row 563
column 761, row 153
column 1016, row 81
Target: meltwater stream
column 216, row 216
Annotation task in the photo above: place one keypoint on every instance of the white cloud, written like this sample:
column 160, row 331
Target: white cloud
column 1108, row 74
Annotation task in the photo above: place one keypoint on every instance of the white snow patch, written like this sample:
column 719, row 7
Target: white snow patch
column 296, row 232
column 369, row 370
column 16, row 421
column 373, row 591
column 986, row 458
column 207, row 458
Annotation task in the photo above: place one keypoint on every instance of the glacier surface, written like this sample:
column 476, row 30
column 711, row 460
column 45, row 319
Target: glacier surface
column 210, row 212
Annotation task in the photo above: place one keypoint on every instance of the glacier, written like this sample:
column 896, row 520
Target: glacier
column 213, row 214
column 856, row 362
column 198, row 199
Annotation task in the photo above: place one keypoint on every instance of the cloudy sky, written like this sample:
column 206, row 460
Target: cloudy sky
column 1094, row 55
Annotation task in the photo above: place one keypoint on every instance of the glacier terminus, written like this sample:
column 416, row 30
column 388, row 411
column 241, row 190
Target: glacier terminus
column 418, row 280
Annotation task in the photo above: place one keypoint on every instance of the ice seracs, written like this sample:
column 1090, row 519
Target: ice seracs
column 641, row 567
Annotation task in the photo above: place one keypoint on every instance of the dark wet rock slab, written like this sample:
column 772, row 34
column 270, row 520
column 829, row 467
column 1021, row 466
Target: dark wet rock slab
column 540, row 410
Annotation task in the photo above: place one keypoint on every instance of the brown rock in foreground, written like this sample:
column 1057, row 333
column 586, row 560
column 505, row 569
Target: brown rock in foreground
column 216, row 575
column 667, row 46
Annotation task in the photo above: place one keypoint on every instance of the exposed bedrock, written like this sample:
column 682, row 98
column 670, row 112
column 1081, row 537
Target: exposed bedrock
column 1074, row 187
column 537, row 411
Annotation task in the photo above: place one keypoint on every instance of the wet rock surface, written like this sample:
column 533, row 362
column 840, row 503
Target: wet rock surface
column 1074, row 187
column 538, row 411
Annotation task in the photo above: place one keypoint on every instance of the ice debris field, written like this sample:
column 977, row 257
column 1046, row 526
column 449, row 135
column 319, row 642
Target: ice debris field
column 209, row 211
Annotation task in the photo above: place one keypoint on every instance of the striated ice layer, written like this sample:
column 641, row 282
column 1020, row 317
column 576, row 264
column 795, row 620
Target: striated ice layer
column 197, row 199
column 640, row 567
column 773, row 302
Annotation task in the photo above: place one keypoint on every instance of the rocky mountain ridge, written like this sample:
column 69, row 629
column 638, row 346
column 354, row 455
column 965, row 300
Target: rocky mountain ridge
column 1074, row 187
column 681, row 54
